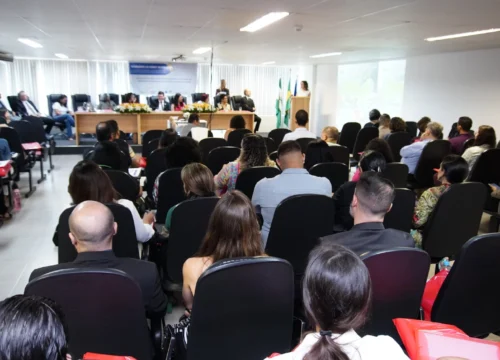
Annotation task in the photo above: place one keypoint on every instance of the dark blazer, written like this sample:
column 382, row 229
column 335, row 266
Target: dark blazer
column 156, row 103
column 247, row 104
column 143, row 272
column 370, row 124
column 225, row 90
column 343, row 198
column 108, row 153
column 372, row 236
column 22, row 108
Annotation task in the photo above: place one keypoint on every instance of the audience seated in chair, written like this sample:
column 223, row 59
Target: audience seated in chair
column 330, row 135
column 106, row 152
column 92, row 229
column 374, row 117
column 198, row 182
column 422, row 125
column 89, row 182
column 33, row 327
column 237, row 122
column 337, row 298
column 122, row 144
column 253, row 153
column 301, row 119
column 464, row 126
column 378, row 145
column 294, row 180
column 384, row 124
column 485, row 139
column 182, row 152
column 411, row 154
column 27, row 108
column 193, row 121
column 453, row 170
column 167, row 138
column 372, row 199
column 317, row 152
column 395, row 125
column 233, row 231
column 370, row 161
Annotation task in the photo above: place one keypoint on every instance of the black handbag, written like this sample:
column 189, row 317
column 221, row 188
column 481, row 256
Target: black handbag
column 176, row 336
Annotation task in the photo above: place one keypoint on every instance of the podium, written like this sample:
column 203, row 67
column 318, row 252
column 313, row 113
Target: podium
column 298, row 103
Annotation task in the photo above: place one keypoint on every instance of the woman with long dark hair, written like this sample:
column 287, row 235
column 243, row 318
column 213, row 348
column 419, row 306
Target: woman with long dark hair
column 178, row 103
column 485, row 139
column 233, row 231
column 337, row 297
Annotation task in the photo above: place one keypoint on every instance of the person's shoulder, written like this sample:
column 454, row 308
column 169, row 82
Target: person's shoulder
column 376, row 347
column 136, row 265
column 402, row 237
column 44, row 270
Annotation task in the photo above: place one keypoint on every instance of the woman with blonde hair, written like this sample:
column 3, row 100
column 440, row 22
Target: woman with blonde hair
column 383, row 128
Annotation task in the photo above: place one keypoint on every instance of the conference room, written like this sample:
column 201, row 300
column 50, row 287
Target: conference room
column 251, row 180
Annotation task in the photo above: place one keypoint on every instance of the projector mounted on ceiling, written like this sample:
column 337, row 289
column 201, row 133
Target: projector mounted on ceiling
column 179, row 58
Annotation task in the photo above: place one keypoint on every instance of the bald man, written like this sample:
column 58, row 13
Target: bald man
column 92, row 228
column 247, row 104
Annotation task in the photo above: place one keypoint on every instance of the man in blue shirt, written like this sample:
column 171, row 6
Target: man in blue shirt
column 411, row 154
column 294, row 180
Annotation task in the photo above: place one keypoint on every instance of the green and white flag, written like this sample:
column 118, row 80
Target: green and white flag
column 279, row 104
column 288, row 106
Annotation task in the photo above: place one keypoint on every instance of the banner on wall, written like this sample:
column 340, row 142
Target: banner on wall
column 149, row 78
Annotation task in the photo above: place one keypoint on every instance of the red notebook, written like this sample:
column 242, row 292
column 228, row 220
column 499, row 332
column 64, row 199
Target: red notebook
column 93, row 356
column 32, row 146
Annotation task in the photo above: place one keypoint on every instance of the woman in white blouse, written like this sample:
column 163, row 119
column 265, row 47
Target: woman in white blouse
column 89, row 182
column 304, row 89
column 485, row 139
column 337, row 296
column 61, row 114
column 224, row 103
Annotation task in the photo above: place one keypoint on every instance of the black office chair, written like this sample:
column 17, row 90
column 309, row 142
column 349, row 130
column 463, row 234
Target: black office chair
column 349, row 134
column 151, row 146
column 240, row 296
column 146, row 138
column 397, row 173
column 411, row 128
column 397, row 141
column 51, row 99
column 304, row 143
column 13, row 103
column 340, row 154
column 112, row 159
column 236, row 136
column 398, row 280
column 271, row 145
column 454, row 220
column 42, row 137
column 79, row 99
column 113, row 97
column 467, row 144
column 248, row 178
column 337, row 173
column 126, row 97
column 217, row 99
column 274, row 156
column 197, row 97
column 486, row 171
column 365, row 135
column 277, row 135
column 469, row 296
column 124, row 184
column 220, row 156
column 237, row 102
column 151, row 99
column 170, row 193
column 155, row 165
column 401, row 215
column 103, row 309
column 430, row 159
column 208, row 145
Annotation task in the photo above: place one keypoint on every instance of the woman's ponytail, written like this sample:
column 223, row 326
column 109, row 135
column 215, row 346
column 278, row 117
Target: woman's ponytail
column 326, row 349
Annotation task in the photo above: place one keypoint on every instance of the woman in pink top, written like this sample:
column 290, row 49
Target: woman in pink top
column 178, row 103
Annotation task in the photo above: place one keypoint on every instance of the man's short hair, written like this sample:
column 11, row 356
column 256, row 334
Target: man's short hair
column 161, row 93
column 193, row 117
column 287, row 147
column 455, row 169
column 204, row 97
column 113, row 125
column 302, row 117
column 436, row 129
column 465, row 122
column 103, row 131
column 375, row 194
column 331, row 132
column 374, row 115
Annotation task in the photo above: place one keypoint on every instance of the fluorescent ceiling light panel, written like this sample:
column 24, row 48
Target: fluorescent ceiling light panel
column 325, row 55
column 202, row 50
column 62, row 56
column 30, row 42
column 455, row 36
column 269, row 63
column 264, row 21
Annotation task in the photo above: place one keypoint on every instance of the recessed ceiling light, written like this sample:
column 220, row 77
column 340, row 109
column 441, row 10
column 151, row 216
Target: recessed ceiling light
column 455, row 36
column 264, row 21
column 269, row 63
column 62, row 56
column 30, row 42
column 325, row 55
column 201, row 50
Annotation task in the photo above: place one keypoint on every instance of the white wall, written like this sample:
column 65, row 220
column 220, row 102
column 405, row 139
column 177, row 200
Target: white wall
column 323, row 97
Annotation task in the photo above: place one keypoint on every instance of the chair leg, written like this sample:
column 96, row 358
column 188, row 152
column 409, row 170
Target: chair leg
column 32, row 188
column 42, row 175
column 51, row 166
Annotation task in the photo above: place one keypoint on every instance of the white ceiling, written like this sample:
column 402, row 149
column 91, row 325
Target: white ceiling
column 157, row 30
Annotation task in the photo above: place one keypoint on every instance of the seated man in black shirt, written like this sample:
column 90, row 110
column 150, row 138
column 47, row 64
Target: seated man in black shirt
column 372, row 199
column 107, row 153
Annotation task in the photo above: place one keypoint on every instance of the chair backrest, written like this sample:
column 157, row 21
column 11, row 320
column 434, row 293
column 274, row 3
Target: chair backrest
column 411, row 128
column 340, row 154
column 220, row 156
column 468, row 143
column 337, row 173
column 273, row 156
column 126, row 97
column 15, row 144
column 170, row 193
column 12, row 99
column 298, row 222
column 248, row 178
column 208, row 145
column 103, row 309
column 113, row 97
column 51, row 99
column 151, row 99
column 147, row 137
column 398, row 280
column 397, row 141
column 454, row 220
column 401, row 215
column 38, row 129
column 486, row 169
column 233, row 295
column 196, row 97
column 430, row 159
column 348, row 135
column 155, row 165
column 217, row 99
column 189, row 225
column 469, row 296
column 236, row 136
column 304, row 143
column 108, row 154
column 124, row 242
column 199, row 133
column 270, row 145
column 277, row 135
column 124, row 184
column 79, row 99
column 26, row 131
column 236, row 102
column 148, row 148
column 365, row 135
column 397, row 173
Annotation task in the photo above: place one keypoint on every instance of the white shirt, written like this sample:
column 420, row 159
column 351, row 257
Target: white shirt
column 30, row 109
column 143, row 232
column 161, row 105
column 301, row 92
column 60, row 108
column 299, row 133
column 355, row 347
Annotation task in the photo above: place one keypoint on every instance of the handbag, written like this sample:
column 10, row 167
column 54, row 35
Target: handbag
column 176, row 336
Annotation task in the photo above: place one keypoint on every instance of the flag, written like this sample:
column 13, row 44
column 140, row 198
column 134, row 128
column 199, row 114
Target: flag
column 295, row 90
column 279, row 103
column 288, row 106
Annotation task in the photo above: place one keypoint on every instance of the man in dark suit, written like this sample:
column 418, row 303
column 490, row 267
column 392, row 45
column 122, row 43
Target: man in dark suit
column 248, row 105
column 27, row 108
column 374, row 117
column 92, row 229
column 160, row 104
column 372, row 199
